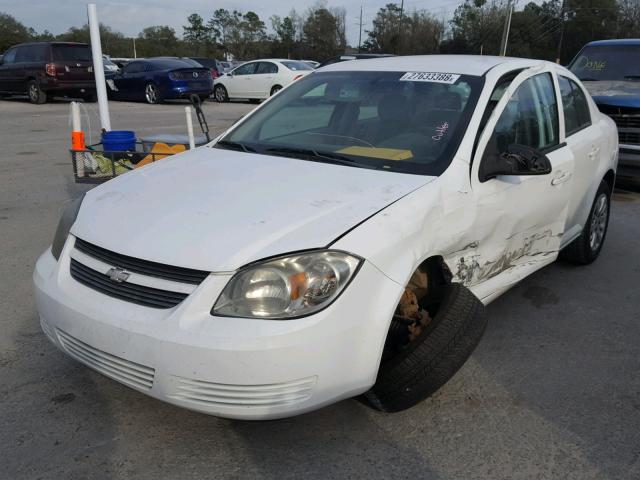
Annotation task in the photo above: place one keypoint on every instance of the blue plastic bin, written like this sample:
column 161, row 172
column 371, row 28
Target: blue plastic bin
column 118, row 140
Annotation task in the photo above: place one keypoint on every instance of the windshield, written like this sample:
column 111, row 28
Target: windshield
column 397, row 121
column 607, row 62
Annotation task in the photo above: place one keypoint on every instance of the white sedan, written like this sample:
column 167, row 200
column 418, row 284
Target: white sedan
column 259, row 79
column 340, row 240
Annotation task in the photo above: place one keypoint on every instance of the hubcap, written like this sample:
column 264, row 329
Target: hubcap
column 151, row 93
column 598, row 222
column 219, row 94
column 33, row 92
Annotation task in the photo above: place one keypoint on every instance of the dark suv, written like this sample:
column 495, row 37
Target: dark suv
column 44, row 69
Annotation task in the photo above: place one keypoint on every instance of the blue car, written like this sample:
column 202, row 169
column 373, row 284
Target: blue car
column 157, row 79
column 610, row 70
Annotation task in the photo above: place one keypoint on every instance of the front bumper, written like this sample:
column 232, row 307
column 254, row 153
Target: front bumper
column 230, row 367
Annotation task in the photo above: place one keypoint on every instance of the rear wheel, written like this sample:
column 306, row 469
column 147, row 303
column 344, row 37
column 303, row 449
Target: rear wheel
column 36, row 94
column 90, row 98
column 152, row 94
column 434, row 356
column 220, row 93
column 586, row 248
column 275, row 89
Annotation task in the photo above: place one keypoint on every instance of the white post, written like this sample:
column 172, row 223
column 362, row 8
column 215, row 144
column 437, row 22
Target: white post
column 192, row 140
column 98, row 68
column 75, row 117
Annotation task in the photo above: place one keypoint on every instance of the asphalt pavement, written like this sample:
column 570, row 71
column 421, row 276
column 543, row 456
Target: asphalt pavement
column 552, row 391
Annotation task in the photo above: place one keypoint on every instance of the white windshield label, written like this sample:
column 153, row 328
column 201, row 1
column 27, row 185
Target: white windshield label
column 433, row 77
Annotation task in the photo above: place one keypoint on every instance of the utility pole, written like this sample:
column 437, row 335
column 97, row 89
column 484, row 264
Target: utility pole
column 507, row 27
column 135, row 55
column 360, row 35
column 400, row 28
column 562, row 13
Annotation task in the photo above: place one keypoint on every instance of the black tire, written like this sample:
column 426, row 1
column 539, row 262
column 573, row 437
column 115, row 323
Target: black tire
column 220, row 94
column 152, row 94
column 35, row 93
column 204, row 98
column 90, row 98
column 586, row 248
column 434, row 357
column 275, row 89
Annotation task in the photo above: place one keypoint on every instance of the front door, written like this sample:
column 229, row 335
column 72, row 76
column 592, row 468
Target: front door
column 519, row 219
column 8, row 75
column 241, row 83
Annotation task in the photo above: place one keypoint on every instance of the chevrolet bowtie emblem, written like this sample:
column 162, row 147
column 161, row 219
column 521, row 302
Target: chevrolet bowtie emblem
column 118, row 274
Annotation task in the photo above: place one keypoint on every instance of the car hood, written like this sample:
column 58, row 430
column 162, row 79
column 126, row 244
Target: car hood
column 615, row 93
column 217, row 210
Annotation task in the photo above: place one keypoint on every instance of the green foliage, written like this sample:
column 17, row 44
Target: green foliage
column 12, row 32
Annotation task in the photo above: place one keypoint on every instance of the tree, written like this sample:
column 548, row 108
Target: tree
column 12, row 32
column 197, row 34
column 220, row 26
column 158, row 40
column 285, row 38
column 321, row 35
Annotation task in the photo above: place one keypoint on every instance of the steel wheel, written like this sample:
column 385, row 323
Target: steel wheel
column 151, row 93
column 599, row 222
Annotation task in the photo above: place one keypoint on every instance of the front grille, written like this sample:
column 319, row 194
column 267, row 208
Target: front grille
column 210, row 394
column 130, row 292
column 626, row 121
column 124, row 371
column 629, row 137
column 144, row 267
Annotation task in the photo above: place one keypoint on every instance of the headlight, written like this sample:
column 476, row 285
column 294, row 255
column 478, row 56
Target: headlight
column 69, row 215
column 287, row 287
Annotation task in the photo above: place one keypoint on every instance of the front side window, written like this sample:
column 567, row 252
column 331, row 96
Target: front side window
column 530, row 117
column 246, row 69
column 574, row 105
column 10, row 56
column 396, row 121
column 134, row 67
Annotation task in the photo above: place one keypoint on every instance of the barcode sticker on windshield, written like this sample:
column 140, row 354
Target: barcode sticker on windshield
column 433, row 77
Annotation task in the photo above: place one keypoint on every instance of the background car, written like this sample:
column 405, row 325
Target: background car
column 259, row 79
column 44, row 69
column 216, row 66
column 157, row 79
column 610, row 69
column 108, row 65
column 311, row 63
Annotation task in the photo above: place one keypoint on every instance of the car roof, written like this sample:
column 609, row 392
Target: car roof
column 458, row 64
column 617, row 41
column 49, row 43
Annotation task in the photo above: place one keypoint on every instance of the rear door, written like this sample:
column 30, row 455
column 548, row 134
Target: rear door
column 583, row 138
column 264, row 78
column 8, row 79
column 519, row 219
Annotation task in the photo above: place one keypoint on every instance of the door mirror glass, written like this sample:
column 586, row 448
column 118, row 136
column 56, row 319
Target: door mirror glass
column 514, row 160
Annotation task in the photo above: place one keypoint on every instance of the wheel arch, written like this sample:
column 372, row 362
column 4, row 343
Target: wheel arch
column 610, row 179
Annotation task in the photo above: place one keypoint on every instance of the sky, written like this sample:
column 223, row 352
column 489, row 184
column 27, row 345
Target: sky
column 130, row 17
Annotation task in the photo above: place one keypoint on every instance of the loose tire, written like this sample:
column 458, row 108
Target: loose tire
column 275, row 89
column 434, row 357
column 36, row 94
column 220, row 93
column 586, row 248
column 152, row 94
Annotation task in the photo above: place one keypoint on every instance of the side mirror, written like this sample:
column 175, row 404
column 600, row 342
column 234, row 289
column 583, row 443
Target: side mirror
column 515, row 160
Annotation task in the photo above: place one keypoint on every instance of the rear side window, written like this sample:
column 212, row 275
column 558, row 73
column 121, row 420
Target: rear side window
column 32, row 53
column 267, row 67
column 574, row 105
column 530, row 117
column 71, row 53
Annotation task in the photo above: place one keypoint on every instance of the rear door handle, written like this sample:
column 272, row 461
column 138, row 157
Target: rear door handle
column 561, row 177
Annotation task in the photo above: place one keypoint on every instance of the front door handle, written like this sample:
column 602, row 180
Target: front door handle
column 560, row 178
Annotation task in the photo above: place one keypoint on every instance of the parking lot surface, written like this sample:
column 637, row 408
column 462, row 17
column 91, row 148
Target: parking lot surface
column 552, row 391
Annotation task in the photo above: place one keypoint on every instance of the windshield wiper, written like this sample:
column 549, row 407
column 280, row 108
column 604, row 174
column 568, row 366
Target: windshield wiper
column 318, row 156
column 235, row 146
